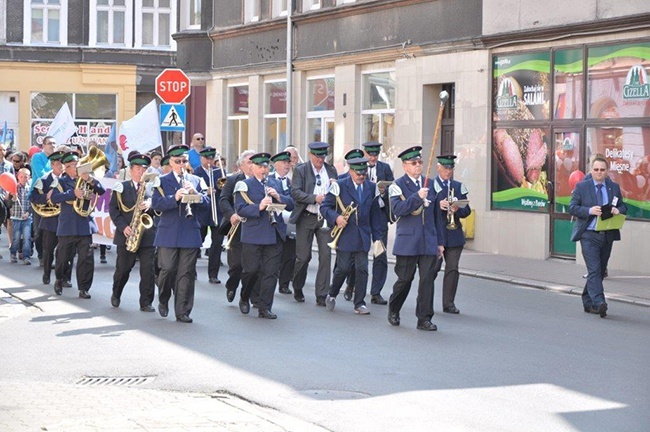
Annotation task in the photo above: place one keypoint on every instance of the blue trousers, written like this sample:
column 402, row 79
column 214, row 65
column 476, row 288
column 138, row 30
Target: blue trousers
column 22, row 231
column 596, row 249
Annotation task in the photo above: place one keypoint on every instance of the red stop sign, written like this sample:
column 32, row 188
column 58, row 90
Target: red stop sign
column 173, row 86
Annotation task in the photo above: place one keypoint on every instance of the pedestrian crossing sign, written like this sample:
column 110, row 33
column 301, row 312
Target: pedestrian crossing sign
column 172, row 117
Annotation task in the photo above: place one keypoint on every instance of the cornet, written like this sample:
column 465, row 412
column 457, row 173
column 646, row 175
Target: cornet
column 451, row 221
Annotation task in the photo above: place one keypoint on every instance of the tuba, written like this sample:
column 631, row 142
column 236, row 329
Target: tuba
column 97, row 160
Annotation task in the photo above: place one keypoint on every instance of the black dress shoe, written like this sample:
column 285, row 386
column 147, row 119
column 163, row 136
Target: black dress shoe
column 84, row 294
column 214, row 280
column 587, row 309
column 115, row 302
column 378, row 299
column 163, row 310
column 67, row 284
column 320, row 301
column 451, row 309
column 285, row 290
column 230, row 295
column 602, row 310
column 147, row 308
column 102, row 260
column 58, row 287
column 46, row 279
column 348, row 293
column 184, row 319
column 244, row 307
column 426, row 325
column 267, row 314
column 393, row 318
column 299, row 296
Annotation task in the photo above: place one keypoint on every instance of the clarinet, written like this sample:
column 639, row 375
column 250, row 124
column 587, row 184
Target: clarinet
column 266, row 194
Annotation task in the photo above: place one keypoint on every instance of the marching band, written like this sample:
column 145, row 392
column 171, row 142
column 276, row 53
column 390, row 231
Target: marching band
column 265, row 219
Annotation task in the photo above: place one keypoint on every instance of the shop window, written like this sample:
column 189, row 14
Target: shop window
column 378, row 109
column 155, row 21
column 45, row 22
column 237, row 122
column 94, row 114
column 569, row 79
column 108, row 23
column 275, row 117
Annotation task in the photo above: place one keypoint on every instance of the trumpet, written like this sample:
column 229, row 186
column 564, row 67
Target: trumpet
column 451, row 221
column 188, row 206
column 231, row 234
column 336, row 231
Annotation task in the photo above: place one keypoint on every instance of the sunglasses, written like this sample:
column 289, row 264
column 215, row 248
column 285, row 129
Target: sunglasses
column 16, row 161
column 414, row 163
column 200, row 139
column 180, row 161
column 599, row 169
column 318, row 182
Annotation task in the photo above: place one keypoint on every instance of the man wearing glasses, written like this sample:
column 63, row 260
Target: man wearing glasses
column 417, row 242
column 310, row 184
column 178, row 235
column 194, row 155
column 589, row 200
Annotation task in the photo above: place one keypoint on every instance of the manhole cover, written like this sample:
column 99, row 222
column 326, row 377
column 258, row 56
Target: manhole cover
column 114, row 381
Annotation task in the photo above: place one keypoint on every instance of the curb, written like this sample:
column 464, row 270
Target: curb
column 566, row 289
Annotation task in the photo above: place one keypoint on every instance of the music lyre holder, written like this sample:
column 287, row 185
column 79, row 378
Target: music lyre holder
column 191, row 198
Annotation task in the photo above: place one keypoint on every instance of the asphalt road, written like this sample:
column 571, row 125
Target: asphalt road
column 515, row 359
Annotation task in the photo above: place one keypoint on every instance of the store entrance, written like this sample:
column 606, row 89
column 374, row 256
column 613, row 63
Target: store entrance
column 565, row 169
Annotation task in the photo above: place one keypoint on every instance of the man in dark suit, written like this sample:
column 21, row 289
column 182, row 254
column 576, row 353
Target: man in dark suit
column 588, row 200
column 417, row 244
column 178, row 236
column 230, row 218
column 74, row 231
column 205, row 170
column 452, row 239
column 262, row 234
column 282, row 165
column 356, row 232
column 311, row 182
column 121, row 209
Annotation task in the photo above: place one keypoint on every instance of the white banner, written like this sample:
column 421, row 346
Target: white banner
column 142, row 132
column 62, row 127
column 105, row 227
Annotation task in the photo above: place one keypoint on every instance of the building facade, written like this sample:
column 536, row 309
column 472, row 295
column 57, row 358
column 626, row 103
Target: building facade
column 536, row 88
column 99, row 56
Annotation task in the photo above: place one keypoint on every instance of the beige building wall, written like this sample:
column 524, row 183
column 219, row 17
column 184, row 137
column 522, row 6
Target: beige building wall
column 26, row 78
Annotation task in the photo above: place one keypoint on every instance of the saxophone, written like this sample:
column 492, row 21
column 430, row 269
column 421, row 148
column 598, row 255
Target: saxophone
column 140, row 222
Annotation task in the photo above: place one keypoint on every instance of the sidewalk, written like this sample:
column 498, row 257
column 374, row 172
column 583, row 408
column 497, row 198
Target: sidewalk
column 555, row 275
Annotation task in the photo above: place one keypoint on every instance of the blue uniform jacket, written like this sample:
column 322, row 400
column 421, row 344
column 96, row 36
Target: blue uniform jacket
column 258, row 229
column 70, row 223
column 584, row 197
column 451, row 238
column 364, row 225
column 39, row 197
column 205, row 217
column 415, row 235
column 174, row 229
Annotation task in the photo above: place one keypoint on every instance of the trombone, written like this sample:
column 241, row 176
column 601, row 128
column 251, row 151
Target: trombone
column 213, row 203
column 221, row 182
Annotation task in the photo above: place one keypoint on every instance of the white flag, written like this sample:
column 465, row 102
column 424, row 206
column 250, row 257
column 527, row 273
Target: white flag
column 142, row 132
column 62, row 127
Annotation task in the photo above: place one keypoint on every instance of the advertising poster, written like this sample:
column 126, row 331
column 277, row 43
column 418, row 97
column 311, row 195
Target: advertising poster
column 619, row 89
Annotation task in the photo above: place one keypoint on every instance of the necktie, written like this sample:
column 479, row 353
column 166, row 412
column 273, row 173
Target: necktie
column 281, row 178
column 417, row 183
column 599, row 194
column 360, row 193
column 444, row 184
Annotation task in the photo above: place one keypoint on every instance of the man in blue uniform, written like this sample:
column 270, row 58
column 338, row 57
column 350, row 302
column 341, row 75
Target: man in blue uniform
column 262, row 234
column 417, row 244
column 282, row 164
column 311, row 182
column 41, row 198
column 588, row 200
column 452, row 239
column 357, row 196
column 178, row 236
column 205, row 170
column 74, row 230
column 121, row 208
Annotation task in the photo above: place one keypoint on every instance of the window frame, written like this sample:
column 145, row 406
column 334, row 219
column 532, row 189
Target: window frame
column 278, row 117
column 310, row 5
column 128, row 18
column 381, row 112
column 186, row 15
column 241, row 121
column 278, row 10
column 139, row 10
column 252, row 11
column 62, row 7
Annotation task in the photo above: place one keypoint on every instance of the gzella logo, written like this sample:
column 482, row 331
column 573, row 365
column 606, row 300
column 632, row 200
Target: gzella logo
column 636, row 84
column 507, row 96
